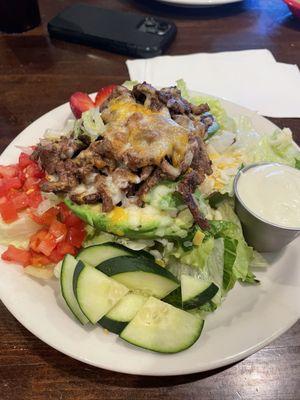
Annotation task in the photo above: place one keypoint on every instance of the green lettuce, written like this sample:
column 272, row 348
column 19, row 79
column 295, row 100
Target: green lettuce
column 278, row 147
column 216, row 109
column 237, row 254
column 130, row 84
column 164, row 197
column 18, row 232
column 90, row 124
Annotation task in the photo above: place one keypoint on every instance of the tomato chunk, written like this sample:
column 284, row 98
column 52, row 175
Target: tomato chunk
column 39, row 260
column 73, row 221
column 19, row 200
column 56, row 256
column 33, row 171
column 35, row 198
column 31, row 184
column 24, row 160
column 8, row 211
column 8, row 171
column 66, row 248
column 9, row 183
column 47, row 217
column 16, row 255
column 47, row 245
column 36, row 239
column 75, row 236
column 58, row 230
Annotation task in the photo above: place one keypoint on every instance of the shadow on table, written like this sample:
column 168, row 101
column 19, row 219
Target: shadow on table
column 291, row 22
column 181, row 12
column 76, row 371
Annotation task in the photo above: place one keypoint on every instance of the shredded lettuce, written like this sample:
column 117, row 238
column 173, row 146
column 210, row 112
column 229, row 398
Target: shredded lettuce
column 129, row 84
column 18, row 233
column 197, row 257
column 224, row 121
column 90, row 124
column 164, row 197
column 278, row 147
column 258, row 260
column 104, row 237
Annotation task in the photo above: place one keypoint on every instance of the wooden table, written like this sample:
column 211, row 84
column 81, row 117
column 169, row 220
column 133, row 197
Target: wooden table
column 36, row 75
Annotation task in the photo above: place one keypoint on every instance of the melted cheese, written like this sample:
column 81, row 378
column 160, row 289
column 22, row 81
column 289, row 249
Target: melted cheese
column 118, row 215
column 147, row 135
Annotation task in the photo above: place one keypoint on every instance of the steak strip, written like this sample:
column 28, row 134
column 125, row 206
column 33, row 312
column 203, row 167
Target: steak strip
column 186, row 188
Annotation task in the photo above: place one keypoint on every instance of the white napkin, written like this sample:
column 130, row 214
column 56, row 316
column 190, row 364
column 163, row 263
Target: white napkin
column 251, row 78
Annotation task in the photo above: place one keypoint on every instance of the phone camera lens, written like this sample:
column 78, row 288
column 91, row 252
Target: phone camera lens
column 163, row 27
column 150, row 22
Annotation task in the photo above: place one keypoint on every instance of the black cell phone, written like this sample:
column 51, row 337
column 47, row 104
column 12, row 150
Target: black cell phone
column 121, row 32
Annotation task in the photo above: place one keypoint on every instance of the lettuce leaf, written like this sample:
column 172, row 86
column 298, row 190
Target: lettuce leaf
column 204, row 262
column 278, row 147
column 104, row 237
column 18, row 233
column 90, row 124
column 236, row 251
column 216, row 109
column 197, row 257
column 130, row 84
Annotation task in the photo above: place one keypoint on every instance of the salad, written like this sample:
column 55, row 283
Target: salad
column 131, row 207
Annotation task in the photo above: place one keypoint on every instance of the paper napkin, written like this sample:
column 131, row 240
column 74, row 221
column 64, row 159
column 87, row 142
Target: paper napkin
column 251, row 78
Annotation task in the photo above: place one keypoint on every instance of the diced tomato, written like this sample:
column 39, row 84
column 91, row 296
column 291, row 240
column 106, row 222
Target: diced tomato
column 8, row 212
column 64, row 211
column 19, row 200
column 47, row 245
column 33, row 171
column 21, row 176
column 34, row 198
column 66, row 248
column 75, row 236
column 58, row 230
column 47, row 217
column 31, row 183
column 36, row 239
column 79, row 103
column 38, row 260
column 24, row 160
column 73, row 220
column 9, row 183
column 103, row 94
column 16, row 255
column 56, row 256
column 8, row 171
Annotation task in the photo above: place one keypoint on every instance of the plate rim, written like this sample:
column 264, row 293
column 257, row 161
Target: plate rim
column 132, row 371
column 198, row 3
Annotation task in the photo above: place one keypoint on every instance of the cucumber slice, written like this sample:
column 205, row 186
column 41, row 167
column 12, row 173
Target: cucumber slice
column 196, row 292
column 123, row 312
column 66, row 286
column 94, row 255
column 96, row 293
column 160, row 327
column 141, row 275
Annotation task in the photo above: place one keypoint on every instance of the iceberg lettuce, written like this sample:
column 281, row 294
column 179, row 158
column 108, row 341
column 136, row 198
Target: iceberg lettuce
column 216, row 109
column 18, row 232
column 278, row 147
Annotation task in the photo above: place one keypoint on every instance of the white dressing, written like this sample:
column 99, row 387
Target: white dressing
column 272, row 192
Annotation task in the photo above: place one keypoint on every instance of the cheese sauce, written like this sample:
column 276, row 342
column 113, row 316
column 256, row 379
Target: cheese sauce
column 145, row 133
column 272, row 192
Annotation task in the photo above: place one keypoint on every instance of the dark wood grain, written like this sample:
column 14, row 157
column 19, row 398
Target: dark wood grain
column 36, row 75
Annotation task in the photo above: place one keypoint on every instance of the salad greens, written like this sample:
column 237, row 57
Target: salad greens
column 221, row 254
column 164, row 226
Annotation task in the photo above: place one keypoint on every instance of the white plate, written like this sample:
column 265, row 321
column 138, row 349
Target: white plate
column 249, row 318
column 199, row 3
